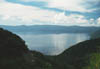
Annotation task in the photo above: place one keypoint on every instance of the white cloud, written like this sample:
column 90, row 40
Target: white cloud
column 70, row 5
column 2, row 0
column 32, row 0
column 5, row 17
column 92, row 21
column 72, row 19
column 25, row 13
column 17, row 14
column 98, row 20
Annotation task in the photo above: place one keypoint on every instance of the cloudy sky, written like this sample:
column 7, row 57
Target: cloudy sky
column 50, row 12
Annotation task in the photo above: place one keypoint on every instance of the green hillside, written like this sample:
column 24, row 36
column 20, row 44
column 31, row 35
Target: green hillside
column 85, row 55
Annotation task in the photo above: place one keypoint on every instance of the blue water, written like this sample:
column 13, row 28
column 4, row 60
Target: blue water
column 52, row 44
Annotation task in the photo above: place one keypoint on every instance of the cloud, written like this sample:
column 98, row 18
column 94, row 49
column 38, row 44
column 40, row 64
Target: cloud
column 25, row 13
column 92, row 2
column 92, row 21
column 2, row 0
column 98, row 20
column 32, row 0
column 70, row 5
column 18, row 14
column 73, row 19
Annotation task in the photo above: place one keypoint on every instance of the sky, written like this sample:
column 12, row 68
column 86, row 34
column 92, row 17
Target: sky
column 50, row 12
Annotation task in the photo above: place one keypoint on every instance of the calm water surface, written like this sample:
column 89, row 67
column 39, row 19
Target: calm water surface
column 52, row 44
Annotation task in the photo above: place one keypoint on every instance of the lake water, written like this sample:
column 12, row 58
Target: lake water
column 52, row 44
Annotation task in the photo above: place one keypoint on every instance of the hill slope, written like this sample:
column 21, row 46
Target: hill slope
column 95, row 35
column 85, row 55
column 14, row 54
column 11, row 44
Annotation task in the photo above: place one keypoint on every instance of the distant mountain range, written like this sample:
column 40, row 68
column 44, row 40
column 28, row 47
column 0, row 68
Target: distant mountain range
column 50, row 29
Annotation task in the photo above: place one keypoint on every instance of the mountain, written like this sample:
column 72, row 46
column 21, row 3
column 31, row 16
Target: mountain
column 85, row 55
column 95, row 35
column 11, row 44
column 14, row 54
column 50, row 29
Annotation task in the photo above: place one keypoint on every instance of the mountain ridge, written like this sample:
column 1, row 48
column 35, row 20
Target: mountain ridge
column 50, row 29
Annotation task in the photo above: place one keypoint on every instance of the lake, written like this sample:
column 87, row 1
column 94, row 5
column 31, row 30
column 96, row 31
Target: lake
column 52, row 44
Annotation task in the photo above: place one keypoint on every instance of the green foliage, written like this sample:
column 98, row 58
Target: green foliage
column 48, row 66
column 85, row 55
column 94, row 62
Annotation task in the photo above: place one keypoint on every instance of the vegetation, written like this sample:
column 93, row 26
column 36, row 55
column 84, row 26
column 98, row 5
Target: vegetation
column 14, row 54
column 95, row 35
column 11, row 45
column 85, row 55
column 94, row 62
